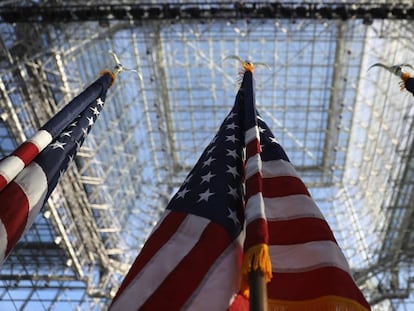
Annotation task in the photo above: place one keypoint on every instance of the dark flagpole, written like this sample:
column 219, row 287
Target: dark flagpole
column 256, row 275
column 258, row 291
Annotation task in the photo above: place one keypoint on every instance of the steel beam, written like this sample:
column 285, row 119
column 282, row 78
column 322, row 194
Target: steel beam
column 366, row 12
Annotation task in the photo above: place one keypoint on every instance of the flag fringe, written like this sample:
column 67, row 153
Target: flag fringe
column 256, row 258
column 326, row 303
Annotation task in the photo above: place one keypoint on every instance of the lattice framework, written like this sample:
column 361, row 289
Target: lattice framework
column 348, row 132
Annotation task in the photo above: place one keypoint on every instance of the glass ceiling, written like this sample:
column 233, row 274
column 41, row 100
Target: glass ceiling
column 347, row 130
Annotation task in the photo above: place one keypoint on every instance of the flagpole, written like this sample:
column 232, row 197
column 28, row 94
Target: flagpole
column 258, row 291
column 259, row 266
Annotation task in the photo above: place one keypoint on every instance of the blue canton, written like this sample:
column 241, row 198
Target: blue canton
column 213, row 189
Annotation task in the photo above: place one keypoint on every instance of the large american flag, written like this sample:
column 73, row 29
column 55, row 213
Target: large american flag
column 309, row 269
column 193, row 257
column 243, row 192
column 31, row 172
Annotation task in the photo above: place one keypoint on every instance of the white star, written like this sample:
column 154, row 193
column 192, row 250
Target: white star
column 211, row 149
column 232, row 170
column 260, row 118
column 188, row 178
column 73, row 124
column 207, row 177
column 231, row 138
column 85, row 132
column 58, row 144
column 95, row 111
column 61, row 173
column 208, row 161
column 232, row 153
column 231, row 115
column 205, row 195
column 71, row 157
column 233, row 216
column 262, row 130
column 78, row 145
column 231, row 126
column 233, row 192
column 100, row 102
column 274, row 140
column 182, row 193
column 90, row 120
column 66, row 133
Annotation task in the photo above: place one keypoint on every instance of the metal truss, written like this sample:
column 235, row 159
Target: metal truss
column 349, row 132
column 119, row 10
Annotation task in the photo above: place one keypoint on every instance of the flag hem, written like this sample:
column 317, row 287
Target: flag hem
column 325, row 303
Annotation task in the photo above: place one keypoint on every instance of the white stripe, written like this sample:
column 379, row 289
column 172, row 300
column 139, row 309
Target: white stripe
column 251, row 134
column 41, row 139
column 255, row 208
column 277, row 168
column 3, row 242
column 33, row 182
column 253, row 165
column 220, row 284
column 291, row 207
column 161, row 264
column 307, row 256
column 10, row 167
column 13, row 165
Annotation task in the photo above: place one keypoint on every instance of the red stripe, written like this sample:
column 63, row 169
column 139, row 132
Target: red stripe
column 301, row 230
column 253, row 185
column 3, row 182
column 190, row 271
column 252, row 148
column 283, row 186
column 314, row 284
column 26, row 152
column 256, row 233
column 14, row 211
column 157, row 239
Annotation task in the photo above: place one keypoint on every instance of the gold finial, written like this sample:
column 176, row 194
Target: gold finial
column 118, row 68
column 396, row 70
column 247, row 65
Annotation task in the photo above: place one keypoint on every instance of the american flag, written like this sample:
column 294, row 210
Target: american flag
column 193, row 258
column 31, row 172
column 309, row 269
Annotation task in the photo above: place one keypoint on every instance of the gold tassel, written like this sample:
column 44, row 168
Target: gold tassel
column 256, row 258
